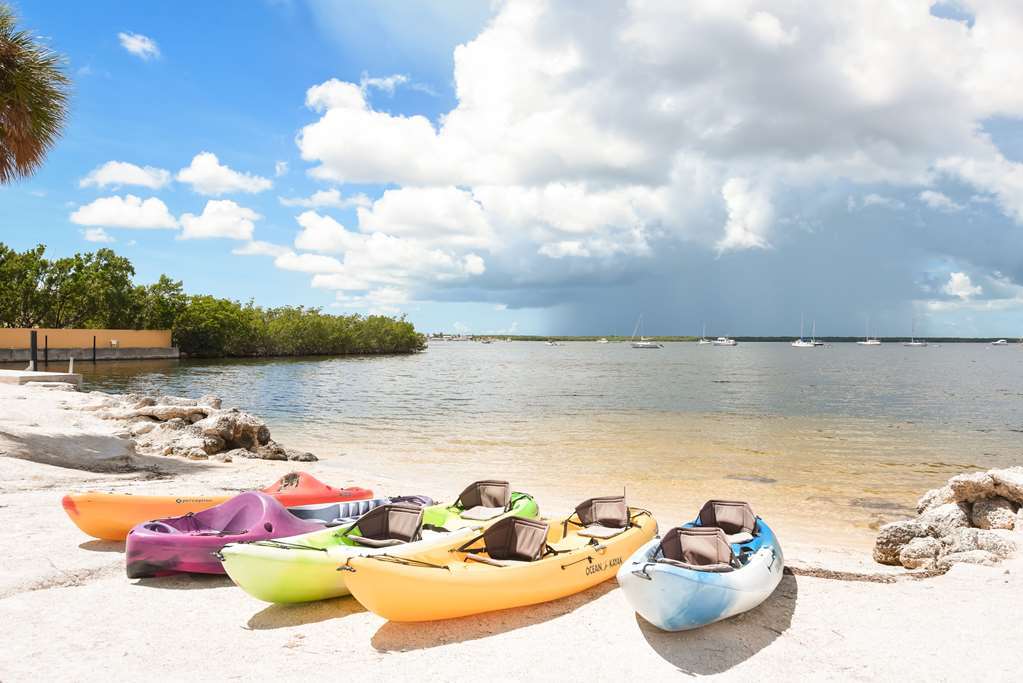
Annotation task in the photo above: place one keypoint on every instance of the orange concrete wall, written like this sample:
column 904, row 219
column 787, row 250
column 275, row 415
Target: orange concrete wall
column 18, row 338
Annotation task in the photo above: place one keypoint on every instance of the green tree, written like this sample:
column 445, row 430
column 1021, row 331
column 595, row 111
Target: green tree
column 34, row 94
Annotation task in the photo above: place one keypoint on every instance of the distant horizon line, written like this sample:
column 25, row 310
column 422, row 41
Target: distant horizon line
column 691, row 338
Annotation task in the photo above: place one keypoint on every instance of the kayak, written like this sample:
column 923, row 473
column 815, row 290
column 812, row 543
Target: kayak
column 189, row 543
column 725, row 562
column 305, row 567
column 111, row 516
column 513, row 564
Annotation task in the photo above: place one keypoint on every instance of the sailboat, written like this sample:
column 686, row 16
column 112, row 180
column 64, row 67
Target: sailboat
column 802, row 343
column 867, row 339
column 813, row 335
column 643, row 342
column 703, row 339
column 913, row 341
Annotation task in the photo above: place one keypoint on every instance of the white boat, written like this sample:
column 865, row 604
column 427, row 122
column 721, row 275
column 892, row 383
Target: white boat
column 1000, row 342
column 867, row 339
column 550, row 342
column 725, row 341
column 703, row 339
column 643, row 342
column 802, row 343
column 602, row 340
column 913, row 341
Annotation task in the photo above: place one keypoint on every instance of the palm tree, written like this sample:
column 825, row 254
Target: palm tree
column 34, row 96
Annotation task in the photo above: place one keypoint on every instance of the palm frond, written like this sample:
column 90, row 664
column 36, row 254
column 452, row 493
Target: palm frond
column 34, row 99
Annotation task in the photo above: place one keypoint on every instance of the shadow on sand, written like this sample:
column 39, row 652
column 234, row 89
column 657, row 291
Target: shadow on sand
column 717, row 648
column 283, row 616
column 398, row 637
column 100, row 546
column 181, row 582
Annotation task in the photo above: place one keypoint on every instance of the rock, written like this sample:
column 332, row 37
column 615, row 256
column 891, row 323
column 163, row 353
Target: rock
column 212, row 444
column 176, row 423
column 144, row 402
column 920, row 553
column 934, row 498
column 993, row 513
column 234, row 453
column 168, row 412
column 972, row 486
column 968, row 557
column 237, row 429
column 177, row 401
column 892, row 537
column 140, row 428
column 945, row 519
column 271, row 451
column 1019, row 519
column 1009, row 483
column 300, row 456
column 221, row 457
column 210, row 401
column 193, row 454
column 967, row 539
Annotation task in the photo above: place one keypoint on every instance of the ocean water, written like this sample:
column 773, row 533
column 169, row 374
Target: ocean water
column 837, row 439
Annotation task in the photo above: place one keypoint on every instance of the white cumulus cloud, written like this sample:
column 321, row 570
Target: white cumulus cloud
column 128, row 211
column 326, row 199
column 220, row 218
column 118, row 173
column 139, row 45
column 960, row 285
column 96, row 235
column 209, row 177
column 939, row 201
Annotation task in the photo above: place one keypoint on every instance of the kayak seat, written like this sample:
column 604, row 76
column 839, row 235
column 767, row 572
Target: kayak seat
column 605, row 511
column 388, row 525
column 731, row 516
column 487, row 493
column 512, row 538
column 739, row 538
column 700, row 548
column 599, row 531
column 481, row 513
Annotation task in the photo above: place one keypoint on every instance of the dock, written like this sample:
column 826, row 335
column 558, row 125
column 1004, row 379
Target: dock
column 27, row 376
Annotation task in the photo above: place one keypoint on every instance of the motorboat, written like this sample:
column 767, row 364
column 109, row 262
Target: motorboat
column 725, row 341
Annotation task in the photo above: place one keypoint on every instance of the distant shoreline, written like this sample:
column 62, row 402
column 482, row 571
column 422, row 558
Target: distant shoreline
column 671, row 338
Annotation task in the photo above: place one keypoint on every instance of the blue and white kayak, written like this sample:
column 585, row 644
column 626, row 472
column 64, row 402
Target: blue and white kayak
column 677, row 595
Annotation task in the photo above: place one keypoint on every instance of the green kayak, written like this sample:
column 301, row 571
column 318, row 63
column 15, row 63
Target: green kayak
column 305, row 567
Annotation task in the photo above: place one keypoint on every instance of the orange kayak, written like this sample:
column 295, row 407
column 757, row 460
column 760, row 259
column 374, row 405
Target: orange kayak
column 111, row 516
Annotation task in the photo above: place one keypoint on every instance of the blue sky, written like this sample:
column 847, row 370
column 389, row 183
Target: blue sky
column 560, row 172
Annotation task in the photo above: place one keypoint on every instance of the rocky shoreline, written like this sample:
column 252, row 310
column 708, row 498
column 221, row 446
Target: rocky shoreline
column 969, row 520
column 196, row 429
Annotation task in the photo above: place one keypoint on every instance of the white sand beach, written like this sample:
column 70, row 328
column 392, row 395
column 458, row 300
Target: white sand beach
column 70, row 612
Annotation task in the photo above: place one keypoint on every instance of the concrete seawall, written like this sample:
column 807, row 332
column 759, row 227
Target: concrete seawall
column 107, row 353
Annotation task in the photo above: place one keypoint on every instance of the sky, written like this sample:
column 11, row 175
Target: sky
column 551, row 167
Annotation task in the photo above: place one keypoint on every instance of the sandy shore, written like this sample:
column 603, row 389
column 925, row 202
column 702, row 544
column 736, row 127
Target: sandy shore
column 71, row 613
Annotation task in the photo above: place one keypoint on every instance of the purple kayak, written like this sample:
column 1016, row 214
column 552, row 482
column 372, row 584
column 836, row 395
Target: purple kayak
column 188, row 543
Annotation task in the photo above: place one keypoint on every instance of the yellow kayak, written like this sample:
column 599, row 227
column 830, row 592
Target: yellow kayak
column 516, row 562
